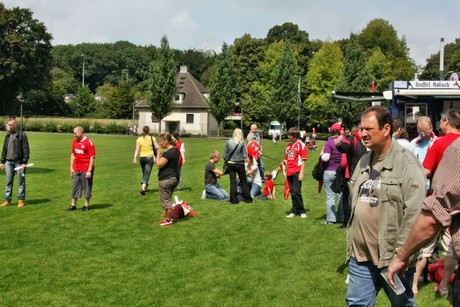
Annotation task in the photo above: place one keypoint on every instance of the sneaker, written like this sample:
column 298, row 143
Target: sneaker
column 142, row 192
column 274, row 173
column 327, row 223
column 20, row 203
column 166, row 223
column 85, row 208
column 290, row 215
column 71, row 208
column 303, row 215
column 6, row 203
column 203, row 194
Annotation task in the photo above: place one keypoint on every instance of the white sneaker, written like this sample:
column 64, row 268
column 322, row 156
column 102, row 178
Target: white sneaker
column 303, row 215
column 203, row 194
column 274, row 173
column 290, row 215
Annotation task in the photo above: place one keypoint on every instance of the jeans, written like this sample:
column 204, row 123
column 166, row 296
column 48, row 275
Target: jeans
column 332, row 199
column 295, row 187
column 10, row 173
column 146, row 166
column 365, row 283
column 254, row 189
column 215, row 191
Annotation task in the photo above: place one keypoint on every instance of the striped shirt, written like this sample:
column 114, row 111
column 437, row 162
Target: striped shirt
column 444, row 202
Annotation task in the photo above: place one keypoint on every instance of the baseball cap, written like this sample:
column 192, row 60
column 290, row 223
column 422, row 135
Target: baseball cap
column 336, row 127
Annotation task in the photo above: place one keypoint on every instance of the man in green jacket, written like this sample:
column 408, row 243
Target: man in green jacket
column 387, row 188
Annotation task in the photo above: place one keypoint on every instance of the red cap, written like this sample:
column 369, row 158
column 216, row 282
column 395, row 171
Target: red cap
column 336, row 127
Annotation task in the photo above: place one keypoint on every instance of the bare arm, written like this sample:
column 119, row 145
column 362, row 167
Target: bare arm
column 302, row 166
column 72, row 162
column 425, row 228
column 90, row 167
column 136, row 152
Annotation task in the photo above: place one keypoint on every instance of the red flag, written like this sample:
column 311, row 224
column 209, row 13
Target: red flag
column 286, row 189
column 373, row 86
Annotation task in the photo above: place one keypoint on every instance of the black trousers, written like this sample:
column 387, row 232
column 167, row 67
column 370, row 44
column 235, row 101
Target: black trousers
column 456, row 289
column 295, row 187
column 238, row 169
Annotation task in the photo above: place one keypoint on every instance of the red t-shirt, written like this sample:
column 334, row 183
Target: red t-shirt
column 269, row 184
column 295, row 153
column 435, row 152
column 83, row 151
column 178, row 146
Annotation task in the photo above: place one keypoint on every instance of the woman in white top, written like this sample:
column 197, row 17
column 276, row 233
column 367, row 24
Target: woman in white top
column 253, row 176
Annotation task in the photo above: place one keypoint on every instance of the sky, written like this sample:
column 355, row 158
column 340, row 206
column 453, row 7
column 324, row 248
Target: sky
column 207, row 24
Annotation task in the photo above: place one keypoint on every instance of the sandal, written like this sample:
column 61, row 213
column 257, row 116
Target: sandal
column 442, row 292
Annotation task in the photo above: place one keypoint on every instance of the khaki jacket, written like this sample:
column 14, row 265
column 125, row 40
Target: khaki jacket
column 401, row 196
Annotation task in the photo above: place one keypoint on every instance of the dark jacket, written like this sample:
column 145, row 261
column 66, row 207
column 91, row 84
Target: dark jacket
column 21, row 147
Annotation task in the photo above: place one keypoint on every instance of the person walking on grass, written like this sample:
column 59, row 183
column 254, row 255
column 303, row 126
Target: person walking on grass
column 296, row 155
column 146, row 146
column 15, row 154
column 168, row 174
column 387, row 189
column 81, row 168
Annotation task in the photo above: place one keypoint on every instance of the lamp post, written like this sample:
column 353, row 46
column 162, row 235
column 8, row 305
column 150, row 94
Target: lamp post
column 83, row 71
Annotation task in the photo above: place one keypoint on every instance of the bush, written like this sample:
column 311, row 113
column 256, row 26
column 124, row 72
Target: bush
column 114, row 128
column 65, row 128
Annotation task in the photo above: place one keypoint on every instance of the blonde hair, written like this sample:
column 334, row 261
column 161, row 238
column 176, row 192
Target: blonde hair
column 168, row 138
column 237, row 136
column 214, row 154
column 268, row 175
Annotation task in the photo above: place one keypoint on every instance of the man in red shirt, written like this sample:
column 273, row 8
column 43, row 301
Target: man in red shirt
column 450, row 127
column 296, row 155
column 81, row 168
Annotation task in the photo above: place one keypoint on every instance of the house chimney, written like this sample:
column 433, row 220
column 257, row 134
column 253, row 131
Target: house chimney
column 183, row 69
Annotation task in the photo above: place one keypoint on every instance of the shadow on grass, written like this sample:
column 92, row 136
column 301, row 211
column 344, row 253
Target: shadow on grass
column 34, row 202
column 99, row 206
column 39, row 170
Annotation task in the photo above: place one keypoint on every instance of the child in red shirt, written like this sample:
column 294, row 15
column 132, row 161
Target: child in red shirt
column 269, row 187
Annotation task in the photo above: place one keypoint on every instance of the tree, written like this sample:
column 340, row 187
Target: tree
column 322, row 78
column 84, row 102
column 119, row 101
column 380, row 33
column 355, row 77
column 163, row 86
column 24, row 55
column 284, row 100
column 222, row 88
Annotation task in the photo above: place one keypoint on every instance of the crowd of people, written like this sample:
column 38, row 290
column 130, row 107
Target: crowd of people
column 396, row 198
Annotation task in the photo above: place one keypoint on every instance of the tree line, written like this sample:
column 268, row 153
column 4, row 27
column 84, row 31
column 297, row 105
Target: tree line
column 284, row 76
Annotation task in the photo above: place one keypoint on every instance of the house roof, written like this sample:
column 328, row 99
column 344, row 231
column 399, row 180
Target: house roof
column 193, row 91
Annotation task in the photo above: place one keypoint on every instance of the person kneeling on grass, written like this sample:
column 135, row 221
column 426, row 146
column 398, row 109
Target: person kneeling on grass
column 212, row 189
column 269, row 187
column 168, row 174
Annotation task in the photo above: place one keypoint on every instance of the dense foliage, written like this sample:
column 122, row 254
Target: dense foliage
column 38, row 75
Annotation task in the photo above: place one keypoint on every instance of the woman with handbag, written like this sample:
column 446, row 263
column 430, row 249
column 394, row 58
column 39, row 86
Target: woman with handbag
column 146, row 146
column 235, row 154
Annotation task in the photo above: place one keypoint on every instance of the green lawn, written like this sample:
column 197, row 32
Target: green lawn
column 116, row 254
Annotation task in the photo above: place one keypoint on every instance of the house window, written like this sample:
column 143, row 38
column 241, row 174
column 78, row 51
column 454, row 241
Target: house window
column 190, row 118
column 179, row 98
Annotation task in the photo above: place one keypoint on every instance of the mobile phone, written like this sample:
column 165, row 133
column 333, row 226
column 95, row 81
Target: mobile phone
column 399, row 285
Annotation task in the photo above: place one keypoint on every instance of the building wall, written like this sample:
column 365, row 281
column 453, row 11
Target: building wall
column 204, row 124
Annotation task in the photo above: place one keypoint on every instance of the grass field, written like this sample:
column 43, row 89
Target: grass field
column 117, row 255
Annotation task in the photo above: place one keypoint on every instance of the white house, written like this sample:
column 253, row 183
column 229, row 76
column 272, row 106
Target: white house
column 190, row 113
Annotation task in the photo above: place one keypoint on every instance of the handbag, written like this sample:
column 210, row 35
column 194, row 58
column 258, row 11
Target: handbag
column 225, row 167
column 318, row 170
